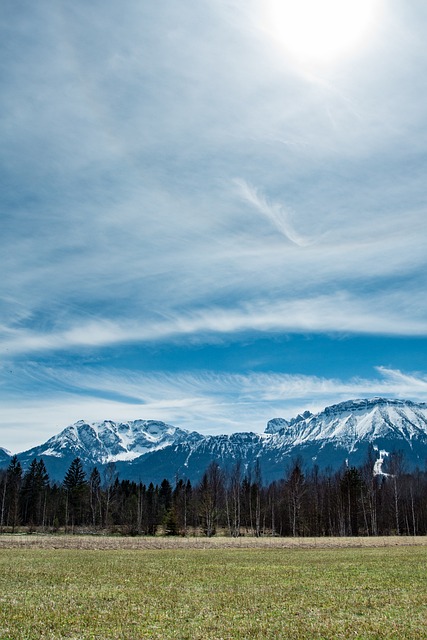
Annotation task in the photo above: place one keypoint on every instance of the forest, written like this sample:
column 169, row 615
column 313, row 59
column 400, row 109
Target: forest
column 348, row 502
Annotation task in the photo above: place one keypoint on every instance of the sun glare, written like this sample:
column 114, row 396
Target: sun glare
column 320, row 30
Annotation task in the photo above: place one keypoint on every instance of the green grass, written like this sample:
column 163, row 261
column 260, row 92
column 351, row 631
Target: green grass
column 213, row 594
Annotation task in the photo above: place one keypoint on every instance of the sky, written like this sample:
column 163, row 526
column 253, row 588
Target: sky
column 207, row 219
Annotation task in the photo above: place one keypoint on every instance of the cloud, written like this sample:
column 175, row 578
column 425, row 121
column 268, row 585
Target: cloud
column 209, row 402
column 121, row 224
column 404, row 383
column 385, row 314
column 119, row 210
column 275, row 212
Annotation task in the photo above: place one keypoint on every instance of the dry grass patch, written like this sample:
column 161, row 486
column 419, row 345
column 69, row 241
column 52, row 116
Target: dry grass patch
column 100, row 542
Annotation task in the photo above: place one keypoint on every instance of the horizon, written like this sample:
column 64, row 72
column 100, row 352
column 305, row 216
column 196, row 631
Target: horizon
column 219, row 433
column 208, row 220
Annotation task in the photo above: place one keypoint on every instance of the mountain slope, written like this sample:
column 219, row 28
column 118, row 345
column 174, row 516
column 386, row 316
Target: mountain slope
column 100, row 443
column 358, row 420
column 108, row 441
column 5, row 457
column 345, row 431
column 146, row 450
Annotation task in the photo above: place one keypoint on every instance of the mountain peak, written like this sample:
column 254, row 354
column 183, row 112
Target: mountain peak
column 109, row 441
column 150, row 450
column 367, row 403
column 275, row 425
column 354, row 421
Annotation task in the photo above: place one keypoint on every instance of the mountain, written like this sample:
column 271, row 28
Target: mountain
column 146, row 450
column 5, row 457
column 345, row 432
column 108, row 441
column 189, row 459
column 100, row 443
column 277, row 424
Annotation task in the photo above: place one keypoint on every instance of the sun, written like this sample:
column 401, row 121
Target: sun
column 320, row 30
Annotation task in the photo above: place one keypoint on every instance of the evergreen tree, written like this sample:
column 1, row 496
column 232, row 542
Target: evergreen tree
column 75, row 485
column 170, row 522
column 165, row 499
column 34, row 490
column 75, row 478
column 351, row 485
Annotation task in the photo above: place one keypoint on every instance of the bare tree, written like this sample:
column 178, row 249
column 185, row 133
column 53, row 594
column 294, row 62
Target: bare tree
column 210, row 490
column 296, row 488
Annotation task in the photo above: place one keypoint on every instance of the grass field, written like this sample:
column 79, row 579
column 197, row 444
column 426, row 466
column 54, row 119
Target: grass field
column 216, row 591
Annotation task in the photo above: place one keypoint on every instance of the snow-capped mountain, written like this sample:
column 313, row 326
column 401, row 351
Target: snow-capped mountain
column 345, row 431
column 108, row 441
column 349, row 423
column 147, row 450
column 277, row 424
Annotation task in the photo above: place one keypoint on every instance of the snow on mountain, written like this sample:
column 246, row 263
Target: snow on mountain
column 340, row 434
column 275, row 425
column 241, row 448
column 344, row 433
column 278, row 424
column 349, row 423
column 108, row 441
column 148, row 450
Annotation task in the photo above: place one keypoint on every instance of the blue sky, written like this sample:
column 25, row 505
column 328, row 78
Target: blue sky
column 199, row 226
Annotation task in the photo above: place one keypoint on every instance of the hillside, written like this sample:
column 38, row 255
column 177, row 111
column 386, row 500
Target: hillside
column 150, row 450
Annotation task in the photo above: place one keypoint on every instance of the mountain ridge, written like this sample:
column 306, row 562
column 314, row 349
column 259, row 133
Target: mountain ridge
column 145, row 450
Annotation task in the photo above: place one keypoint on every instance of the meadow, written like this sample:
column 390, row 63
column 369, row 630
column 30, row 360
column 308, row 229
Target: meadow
column 82, row 587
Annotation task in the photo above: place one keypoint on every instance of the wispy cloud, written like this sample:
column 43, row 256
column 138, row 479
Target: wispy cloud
column 405, row 383
column 207, row 401
column 278, row 215
column 385, row 314
column 121, row 133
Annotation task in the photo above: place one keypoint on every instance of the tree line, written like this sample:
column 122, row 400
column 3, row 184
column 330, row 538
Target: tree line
column 349, row 502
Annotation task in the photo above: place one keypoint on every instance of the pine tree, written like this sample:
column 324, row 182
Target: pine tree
column 170, row 522
column 75, row 477
column 34, row 493
column 351, row 489
column 76, row 486
column 165, row 499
